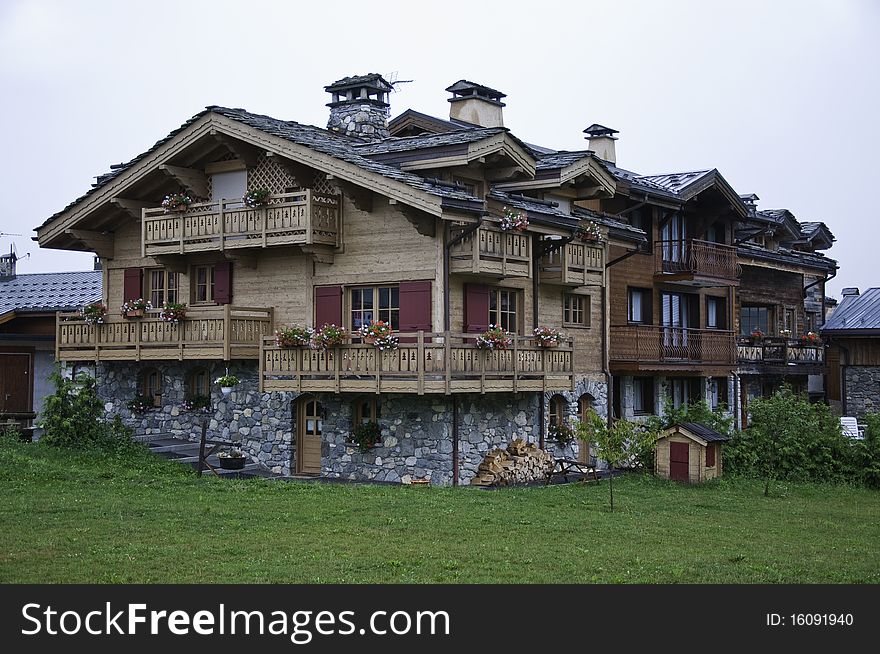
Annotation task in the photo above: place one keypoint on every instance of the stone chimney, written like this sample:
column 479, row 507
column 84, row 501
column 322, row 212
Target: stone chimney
column 360, row 107
column 476, row 104
column 851, row 290
column 7, row 265
column 601, row 140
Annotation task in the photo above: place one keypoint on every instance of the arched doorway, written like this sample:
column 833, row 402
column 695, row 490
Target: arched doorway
column 309, row 430
column 585, row 406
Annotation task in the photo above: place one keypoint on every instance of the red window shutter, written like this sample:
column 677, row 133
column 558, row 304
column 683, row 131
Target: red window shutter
column 223, row 282
column 132, row 286
column 476, row 307
column 710, row 455
column 328, row 306
column 415, row 307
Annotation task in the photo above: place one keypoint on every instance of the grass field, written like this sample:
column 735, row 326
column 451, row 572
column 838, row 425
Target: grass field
column 76, row 518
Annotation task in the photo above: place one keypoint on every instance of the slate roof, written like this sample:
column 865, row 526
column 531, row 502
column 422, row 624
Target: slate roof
column 856, row 313
column 787, row 255
column 561, row 159
column 423, row 141
column 320, row 140
column 442, row 123
column 465, row 85
column 374, row 80
column 811, row 229
column 674, row 182
column 63, row 291
column 707, row 434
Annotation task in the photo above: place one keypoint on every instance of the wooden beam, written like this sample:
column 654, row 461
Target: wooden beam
column 320, row 253
column 423, row 222
column 190, row 178
column 362, row 197
column 249, row 154
column 132, row 207
column 505, row 174
column 98, row 242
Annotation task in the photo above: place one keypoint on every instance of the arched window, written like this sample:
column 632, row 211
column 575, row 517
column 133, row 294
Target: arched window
column 198, row 383
column 366, row 410
column 557, row 410
column 151, row 384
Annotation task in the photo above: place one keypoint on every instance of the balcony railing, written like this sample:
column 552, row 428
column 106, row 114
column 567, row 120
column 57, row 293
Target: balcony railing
column 300, row 218
column 427, row 362
column 225, row 332
column 780, row 352
column 574, row 264
column 489, row 251
column 671, row 345
column 689, row 260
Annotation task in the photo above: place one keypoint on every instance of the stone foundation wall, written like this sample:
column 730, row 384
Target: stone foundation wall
column 416, row 430
column 862, row 390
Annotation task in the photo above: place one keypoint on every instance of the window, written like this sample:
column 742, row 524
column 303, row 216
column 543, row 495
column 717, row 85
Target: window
column 641, row 219
column 788, row 321
column 199, row 383
column 639, row 306
column 576, row 310
column 151, row 385
column 162, row 287
column 503, row 305
column 229, row 185
column 366, row 410
column 203, row 280
column 716, row 390
column 471, row 186
column 684, row 391
column 811, row 321
column 557, row 410
column 751, row 318
column 715, row 313
column 710, row 455
column 375, row 303
column 643, row 395
column 716, row 233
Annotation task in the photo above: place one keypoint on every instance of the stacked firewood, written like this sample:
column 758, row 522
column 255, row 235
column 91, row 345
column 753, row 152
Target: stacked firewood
column 520, row 463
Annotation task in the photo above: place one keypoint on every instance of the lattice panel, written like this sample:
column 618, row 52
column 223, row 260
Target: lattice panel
column 323, row 186
column 269, row 174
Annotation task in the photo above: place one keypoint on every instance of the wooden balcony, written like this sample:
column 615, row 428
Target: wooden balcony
column 223, row 332
column 781, row 356
column 574, row 264
column 429, row 363
column 491, row 252
column 696, row 263
column 300, row 218
column 637, row 348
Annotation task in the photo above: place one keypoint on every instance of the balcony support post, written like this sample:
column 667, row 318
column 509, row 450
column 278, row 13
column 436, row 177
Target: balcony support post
column 227, row 328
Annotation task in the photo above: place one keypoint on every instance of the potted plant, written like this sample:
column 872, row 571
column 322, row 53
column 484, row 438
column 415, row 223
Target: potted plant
column 494, row 338
column 757, row 335
column 328, row 336
column 196, row 403
column 172, row 312
column 512, row 220
column 548, row 337
column 227, row 382
column 367, row 435
column 589, row 232
column 141, row 404
column 176, row 203
column 810, row 338
column 232, row 459
column 562, row 433
column 293, row 336
column 135, row 308
column 785, row 333
column 376, row 329
column 256, row 198
column 94, row 313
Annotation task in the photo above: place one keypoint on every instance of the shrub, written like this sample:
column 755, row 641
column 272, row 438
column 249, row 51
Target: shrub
column 73, row 417
column 563, row 434
column 698, row 412
column 367, row 435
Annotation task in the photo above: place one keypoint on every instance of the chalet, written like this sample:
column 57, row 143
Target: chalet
column 28, row 307
column 360, row 225
column 853, row 335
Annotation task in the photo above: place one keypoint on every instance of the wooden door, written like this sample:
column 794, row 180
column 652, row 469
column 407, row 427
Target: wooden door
column 15, row 383
column 678, row 461
column 309, row 429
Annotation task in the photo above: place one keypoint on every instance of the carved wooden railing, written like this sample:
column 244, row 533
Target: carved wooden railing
column 223, row 332
column 656, row 344
column 780, row 352
column 573, row 264
column 425, row 362
column 702, row 258
column 299, row 218
column 492, row 251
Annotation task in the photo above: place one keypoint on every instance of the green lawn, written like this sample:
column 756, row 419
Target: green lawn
column 71, row 518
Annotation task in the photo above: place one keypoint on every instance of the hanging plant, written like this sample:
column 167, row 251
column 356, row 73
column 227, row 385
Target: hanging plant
column 328, row 336
column 494, row 338
column 589, row 232
column 515, row 221
column 94, row 313
column 293, row 336
column 548, row 337
column 226, row 383
column 172, row 312
column 257, row 197
column 176, row 203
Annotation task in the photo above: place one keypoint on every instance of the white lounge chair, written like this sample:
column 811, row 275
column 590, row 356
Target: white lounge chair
column 851, row 427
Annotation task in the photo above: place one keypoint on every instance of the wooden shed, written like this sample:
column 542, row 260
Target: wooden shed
column 689, row 452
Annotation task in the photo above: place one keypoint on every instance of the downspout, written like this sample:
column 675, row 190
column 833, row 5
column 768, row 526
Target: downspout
column 536, row 289
column 820, row 281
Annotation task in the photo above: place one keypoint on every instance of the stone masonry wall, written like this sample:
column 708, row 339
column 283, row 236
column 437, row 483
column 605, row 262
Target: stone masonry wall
column 862, row 390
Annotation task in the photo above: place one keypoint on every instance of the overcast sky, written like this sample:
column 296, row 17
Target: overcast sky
column 781, row 97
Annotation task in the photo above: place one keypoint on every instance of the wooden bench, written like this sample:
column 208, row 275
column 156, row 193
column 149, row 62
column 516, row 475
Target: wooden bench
column 565, row 467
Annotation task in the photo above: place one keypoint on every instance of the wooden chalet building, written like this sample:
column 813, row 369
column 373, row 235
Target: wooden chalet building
column 361, row 225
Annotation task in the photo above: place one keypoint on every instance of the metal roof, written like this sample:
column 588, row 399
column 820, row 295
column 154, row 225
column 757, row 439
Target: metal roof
column 63, row 291
column 707, row 434
column 856, row 313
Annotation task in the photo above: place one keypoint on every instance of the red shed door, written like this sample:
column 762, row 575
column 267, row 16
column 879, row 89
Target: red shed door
column 678, row 461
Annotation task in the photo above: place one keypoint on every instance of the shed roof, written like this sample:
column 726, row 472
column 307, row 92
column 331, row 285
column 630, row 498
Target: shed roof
column 695, row 429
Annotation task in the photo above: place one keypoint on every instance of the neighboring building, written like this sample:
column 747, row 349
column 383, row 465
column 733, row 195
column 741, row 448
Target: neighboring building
column 853, row 336
column 28, row 306
column 359, row 227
